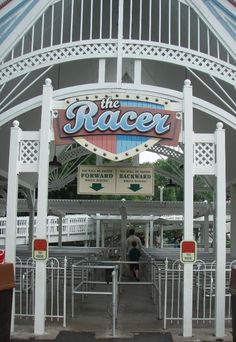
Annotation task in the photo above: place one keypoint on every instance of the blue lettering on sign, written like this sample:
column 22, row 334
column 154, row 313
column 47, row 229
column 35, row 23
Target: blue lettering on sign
column 83, row 112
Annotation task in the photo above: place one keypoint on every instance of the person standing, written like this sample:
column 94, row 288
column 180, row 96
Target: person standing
column 177, row 242
column 132, row 237
column 134, row 255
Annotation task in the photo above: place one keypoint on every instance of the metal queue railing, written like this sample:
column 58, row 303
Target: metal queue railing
column 84, row 281
column 57, row 278
column 168, row 284
column 56, row 289
column 81, row 285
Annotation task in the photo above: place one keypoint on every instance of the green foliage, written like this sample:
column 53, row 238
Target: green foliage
column 170, row 168
column 171, row 235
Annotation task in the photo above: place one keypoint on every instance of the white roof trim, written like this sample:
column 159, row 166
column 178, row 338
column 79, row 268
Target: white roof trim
column 215, row 25
column 20, row 181
column 198, row 103
column 23, row 26
column 8, row 7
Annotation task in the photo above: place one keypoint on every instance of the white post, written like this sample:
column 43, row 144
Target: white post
column 31, row 204
column 86, row 233
column 188, row 205
column 233, row 221
column 12, row 197
column 151, row 232
column 97, row 230
column 103, row 234
column 206, row 233
column 161, row 237
column 40, row 271
column 220, row 231
column 60, row 224
column 120, row 39
column 161, row 188
column 147, row 235
column 12, row 193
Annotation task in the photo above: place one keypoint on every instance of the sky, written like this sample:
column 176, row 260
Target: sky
column 150, row 157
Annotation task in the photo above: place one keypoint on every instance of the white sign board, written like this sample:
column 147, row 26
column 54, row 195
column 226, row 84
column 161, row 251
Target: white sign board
column 135, row 180
column 112, row 180
column 96, row 180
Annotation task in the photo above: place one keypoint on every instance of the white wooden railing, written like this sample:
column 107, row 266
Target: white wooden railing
column 74, row 228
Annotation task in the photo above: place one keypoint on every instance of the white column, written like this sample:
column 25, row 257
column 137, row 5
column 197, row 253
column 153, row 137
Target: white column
column 161, row 188
column 220, row 231
column 161, row 235
column 123, row 213
column 120, row 39
column 188, row 205
column 97, row 230
column 103, row 234
column 86, row 234
column 147, row 235
column 101, row 71
column 12, row 193
column 12, row 197
column 151, row 232
column 31, row 205
column 137, row 72
column 60, row 218
column 42, row 206
column 206, row 233
column 233, row 221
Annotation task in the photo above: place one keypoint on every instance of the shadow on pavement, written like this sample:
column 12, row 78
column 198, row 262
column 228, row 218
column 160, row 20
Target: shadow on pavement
column 70, row 336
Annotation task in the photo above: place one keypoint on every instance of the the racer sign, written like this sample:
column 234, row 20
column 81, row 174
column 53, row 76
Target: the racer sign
column 116, row 128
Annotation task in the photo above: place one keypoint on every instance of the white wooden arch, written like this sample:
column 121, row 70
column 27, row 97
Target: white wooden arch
column 135, row 50
column 198, row 103
column 195, row 162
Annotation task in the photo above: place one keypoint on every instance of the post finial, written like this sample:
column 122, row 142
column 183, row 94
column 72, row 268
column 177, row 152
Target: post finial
column 187, row 82
column 48, row 82
column 16, row 123
column 219, row 125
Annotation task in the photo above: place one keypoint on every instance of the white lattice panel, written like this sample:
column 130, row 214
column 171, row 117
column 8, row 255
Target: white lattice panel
column 166, row 151
column 182, row 56
column 29, row 155
column 60, row 54
column 42, row 58
column 72, row 153
column 204, row 158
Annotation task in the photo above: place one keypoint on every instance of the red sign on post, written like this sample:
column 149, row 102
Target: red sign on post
column 40, row 249
column 2, row 256
column 188, row 251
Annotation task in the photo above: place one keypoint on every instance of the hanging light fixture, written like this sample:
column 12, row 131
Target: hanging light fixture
column 54, row 162
column 171, row 184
